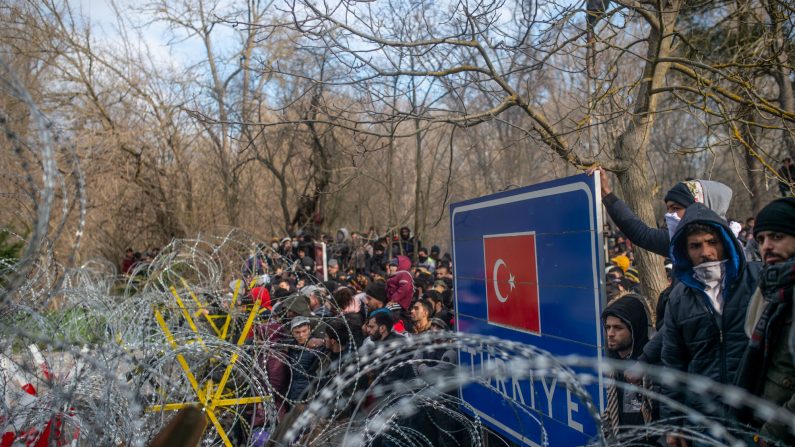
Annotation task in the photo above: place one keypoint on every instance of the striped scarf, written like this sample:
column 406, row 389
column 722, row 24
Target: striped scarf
column 610, row 419
column 777, row 284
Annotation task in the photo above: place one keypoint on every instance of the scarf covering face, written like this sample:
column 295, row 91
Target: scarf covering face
column 710, row 273
column 672, row 222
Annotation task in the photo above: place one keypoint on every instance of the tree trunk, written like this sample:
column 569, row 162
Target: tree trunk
column 632, row 146
column 417, row 190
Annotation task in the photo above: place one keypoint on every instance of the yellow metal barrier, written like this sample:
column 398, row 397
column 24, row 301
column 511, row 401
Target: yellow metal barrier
column 210, row 396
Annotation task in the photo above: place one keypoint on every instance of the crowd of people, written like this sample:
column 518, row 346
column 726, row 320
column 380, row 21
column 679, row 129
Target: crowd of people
column 372, row 293
column 726, row 315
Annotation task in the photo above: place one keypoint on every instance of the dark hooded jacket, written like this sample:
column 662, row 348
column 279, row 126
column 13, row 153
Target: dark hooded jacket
column 696, row 338
column 630, row 309
column 632, row 312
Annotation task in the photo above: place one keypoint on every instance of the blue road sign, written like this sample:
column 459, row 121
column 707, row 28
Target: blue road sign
column 528, row 267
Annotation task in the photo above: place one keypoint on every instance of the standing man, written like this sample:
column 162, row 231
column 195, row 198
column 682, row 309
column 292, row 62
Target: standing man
column 376, row 297
column 627, row 331
column 421, row 313
column 768, row 370
column 128, row 262
column 704, row 324
column 423, row 260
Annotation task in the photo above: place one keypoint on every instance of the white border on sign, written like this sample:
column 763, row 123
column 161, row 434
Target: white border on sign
column 596, row 261
column 538, row 294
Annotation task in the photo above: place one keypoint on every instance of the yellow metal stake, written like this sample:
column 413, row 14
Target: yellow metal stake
column 202, row 307
column 192, row 379
column 233, row 360
column 209, row 396
column 188, row 318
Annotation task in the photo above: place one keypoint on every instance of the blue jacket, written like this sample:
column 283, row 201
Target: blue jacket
column 696, row 338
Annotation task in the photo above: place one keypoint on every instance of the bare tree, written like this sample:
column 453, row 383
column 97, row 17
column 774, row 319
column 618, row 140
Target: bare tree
column 605, row 113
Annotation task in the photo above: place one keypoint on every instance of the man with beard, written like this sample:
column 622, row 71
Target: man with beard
column 379, row 326
column 626, row 328
column 376, row 298
column 768, row 370
column 703, row 330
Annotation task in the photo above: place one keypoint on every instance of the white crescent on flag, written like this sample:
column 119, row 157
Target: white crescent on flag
column 511, row 281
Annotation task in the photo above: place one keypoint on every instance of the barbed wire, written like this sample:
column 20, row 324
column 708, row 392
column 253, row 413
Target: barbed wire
column 90, row 357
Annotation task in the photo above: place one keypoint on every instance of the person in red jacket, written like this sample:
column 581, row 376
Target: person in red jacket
column 260, row 291
column 400, row 284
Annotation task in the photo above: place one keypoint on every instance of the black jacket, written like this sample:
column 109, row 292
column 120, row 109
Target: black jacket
column 654, row 240
column 632, row 312
column 696, row 338
column 304, row 366
column 653, row 349
column 715, row 195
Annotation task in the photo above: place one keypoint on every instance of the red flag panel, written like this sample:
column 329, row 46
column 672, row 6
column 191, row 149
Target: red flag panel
column 512, row 281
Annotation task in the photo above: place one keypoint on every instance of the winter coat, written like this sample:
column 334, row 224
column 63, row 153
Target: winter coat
column 397, row 370
column 632, row 312
column 653, row 349
column 400, row 286
column 341, row 250
column 696, row 338
column 304, row 365
column 428, row 264
column 717, row 197
column 355, row 321
column 262, row 295
column 770, row 373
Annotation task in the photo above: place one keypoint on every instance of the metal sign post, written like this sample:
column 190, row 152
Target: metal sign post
column 528, row 267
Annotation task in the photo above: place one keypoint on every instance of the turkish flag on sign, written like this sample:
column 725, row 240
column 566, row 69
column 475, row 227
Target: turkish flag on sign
column 512, row 281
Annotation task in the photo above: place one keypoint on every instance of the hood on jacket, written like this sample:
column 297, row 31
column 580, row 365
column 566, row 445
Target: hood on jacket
column 404, row 263
column 631, row 310
column 343, row 235
column 683, row 268
column 717, row 196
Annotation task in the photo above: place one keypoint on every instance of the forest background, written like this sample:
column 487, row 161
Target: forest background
column 175, row 118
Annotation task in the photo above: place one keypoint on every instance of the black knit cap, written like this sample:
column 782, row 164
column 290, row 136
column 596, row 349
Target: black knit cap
column 681, row 195
column 377, row 290
column 778, row 216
